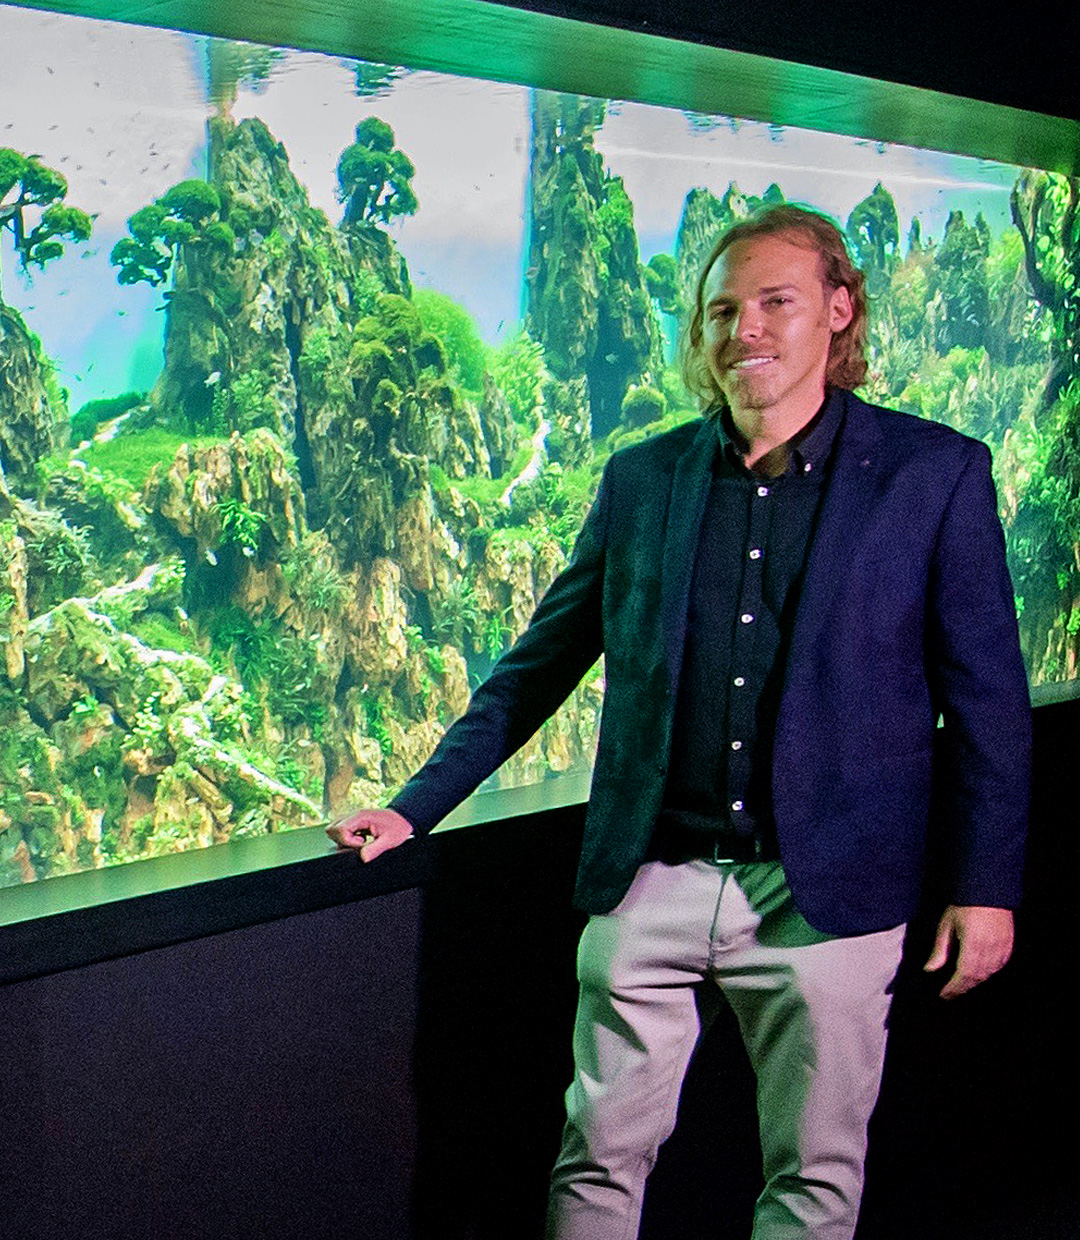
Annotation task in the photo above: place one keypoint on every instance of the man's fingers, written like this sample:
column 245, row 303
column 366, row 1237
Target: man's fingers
column 371, row 832
column 377, row 846
column 349, row 834
column 939, row 956
column 984, row 937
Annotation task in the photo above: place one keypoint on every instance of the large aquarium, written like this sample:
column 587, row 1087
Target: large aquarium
column 308, row 370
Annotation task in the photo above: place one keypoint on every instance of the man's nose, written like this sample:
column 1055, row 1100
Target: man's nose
column 748, row 323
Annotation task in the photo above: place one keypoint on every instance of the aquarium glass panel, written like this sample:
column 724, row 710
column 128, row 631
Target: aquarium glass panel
column 308, row 368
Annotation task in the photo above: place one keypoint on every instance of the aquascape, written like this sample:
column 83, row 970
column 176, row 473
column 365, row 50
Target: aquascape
column 274, row 497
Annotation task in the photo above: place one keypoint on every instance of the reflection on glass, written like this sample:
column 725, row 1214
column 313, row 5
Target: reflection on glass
column 308, row 368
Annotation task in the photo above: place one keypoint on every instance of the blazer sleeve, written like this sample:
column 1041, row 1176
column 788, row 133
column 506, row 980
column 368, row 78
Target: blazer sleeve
column 527, row 685
column 979, row 685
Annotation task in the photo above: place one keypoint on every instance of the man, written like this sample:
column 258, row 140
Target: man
column 788, row 595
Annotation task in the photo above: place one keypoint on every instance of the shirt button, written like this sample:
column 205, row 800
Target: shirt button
column 763, row 491
column 807, row 467
column 736, row 744
column 746, row 618
column 736, row 805
column 739, row 681
column 755, row 553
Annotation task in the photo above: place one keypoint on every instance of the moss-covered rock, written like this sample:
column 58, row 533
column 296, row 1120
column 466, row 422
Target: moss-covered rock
column 588, row 303
column 704, row 218
column 14, row 616
column 33, row 416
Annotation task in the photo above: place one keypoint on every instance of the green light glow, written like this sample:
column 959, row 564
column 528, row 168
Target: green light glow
column 473, row 38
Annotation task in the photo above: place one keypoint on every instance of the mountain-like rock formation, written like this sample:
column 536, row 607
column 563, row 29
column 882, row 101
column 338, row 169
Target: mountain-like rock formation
column 587, row 300
column 33, row 419
column 287, row 616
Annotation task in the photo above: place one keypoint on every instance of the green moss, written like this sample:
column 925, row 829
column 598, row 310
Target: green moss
column 85, row 422
column 456, row 329
column 133, row 456
column 375, row 713
column 159, row 632
column 518, row 369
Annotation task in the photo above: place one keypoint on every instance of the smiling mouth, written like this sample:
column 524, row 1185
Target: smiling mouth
column 751, row 363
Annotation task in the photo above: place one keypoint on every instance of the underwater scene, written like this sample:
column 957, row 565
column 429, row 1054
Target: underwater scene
column 308, row 370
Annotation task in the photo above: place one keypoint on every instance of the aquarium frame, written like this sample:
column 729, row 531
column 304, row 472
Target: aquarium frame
column 74, row 920
column 505, row 44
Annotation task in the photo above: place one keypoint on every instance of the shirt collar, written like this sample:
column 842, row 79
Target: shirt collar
column 808, row 450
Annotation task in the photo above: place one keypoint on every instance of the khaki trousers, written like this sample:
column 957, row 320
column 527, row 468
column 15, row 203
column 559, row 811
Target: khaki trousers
column 812, row 1010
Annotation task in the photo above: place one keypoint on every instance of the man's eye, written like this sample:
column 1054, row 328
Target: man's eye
column 779, row 301
column 721, row 312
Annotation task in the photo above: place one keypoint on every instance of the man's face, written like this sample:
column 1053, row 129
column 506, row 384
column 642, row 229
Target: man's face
column 769, row 320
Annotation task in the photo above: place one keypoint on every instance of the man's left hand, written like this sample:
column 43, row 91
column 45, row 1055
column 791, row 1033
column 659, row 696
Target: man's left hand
column 983, row 939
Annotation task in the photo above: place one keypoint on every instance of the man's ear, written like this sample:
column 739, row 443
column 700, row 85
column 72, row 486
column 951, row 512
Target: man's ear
column 840, row 311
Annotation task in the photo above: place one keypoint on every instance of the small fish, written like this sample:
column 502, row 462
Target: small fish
column 210, row 380
column 211, row 557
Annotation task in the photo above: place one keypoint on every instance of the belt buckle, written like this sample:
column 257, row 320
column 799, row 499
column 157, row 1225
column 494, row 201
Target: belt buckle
column 717, row 859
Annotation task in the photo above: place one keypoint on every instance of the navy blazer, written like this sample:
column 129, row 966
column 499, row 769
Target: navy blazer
column 906, row 614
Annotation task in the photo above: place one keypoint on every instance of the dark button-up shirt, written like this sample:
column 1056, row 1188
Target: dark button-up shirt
column 752, row 550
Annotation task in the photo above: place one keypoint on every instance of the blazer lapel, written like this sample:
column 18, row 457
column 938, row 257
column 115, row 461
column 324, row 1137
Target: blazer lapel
column 848, row 501
column 689, row 491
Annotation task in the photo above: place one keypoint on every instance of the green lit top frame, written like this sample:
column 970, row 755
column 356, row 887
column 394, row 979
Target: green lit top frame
column 512, row 45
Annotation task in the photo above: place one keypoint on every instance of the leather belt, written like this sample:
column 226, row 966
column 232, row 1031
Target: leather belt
column 674, row 846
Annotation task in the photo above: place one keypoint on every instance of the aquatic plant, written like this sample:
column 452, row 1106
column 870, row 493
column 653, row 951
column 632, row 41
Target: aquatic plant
column 455, row 614
column 60, row 562
column 134, row 456
column 367, row 288
column 374, row 177
column 240, row 523
column 661, row 274
column 374, row 79
column 28, row 185
column 375, row 713
column 233, row 631
column 497, row 633
column 228, row 63
column 186, row 214
column 312, row 576
column 456, row 329
column 958, row 279
column 1046, row 210
column 643, row 404
column 241, row 405
column 518, row 368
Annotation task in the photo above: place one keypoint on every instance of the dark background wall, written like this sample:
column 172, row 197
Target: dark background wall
column 1025, row 58
column 312, row 1075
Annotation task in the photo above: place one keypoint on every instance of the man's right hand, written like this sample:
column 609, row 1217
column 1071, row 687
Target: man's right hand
column 371, row 832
